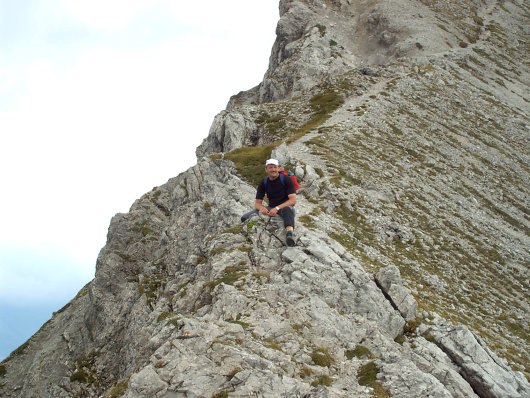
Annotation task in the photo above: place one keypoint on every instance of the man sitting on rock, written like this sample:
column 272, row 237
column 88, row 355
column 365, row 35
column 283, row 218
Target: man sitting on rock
column 281, row 195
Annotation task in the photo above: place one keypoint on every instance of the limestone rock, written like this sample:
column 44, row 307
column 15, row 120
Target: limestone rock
column 484, row 371
column 429, row 358
column 390, row 280
column 229, row 130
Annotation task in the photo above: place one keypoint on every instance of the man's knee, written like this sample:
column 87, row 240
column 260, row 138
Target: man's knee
column 288, row 213
column 289, row 210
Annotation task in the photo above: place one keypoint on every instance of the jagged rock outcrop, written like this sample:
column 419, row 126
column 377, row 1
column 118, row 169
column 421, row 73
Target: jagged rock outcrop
column 401, row 298
column 407, row 124
column 487, row 373
column 229, row 130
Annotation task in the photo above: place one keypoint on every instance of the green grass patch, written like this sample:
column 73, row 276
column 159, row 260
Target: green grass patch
column 411, row 326
column 359, row 352
column 270, row 343
column 307, row 221
column 252, row 224
column 84, row 369
column 367, row 376
column 322, row 105
column 150, row 285
column 273, row 123
column 222, row 394
column 244, row 325
column 322, row 357
column 163, row 316
column 250, row 161
column 305, row 372
column 299, row 327
column 218, row 250
column 143, row 228
column 118, row 390
column 259, row 275
column 230, row 275
column 323, row 380
column 319, row 171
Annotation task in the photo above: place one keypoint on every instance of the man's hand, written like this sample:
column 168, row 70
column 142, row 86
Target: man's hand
column 263, row 210
column 272, row 212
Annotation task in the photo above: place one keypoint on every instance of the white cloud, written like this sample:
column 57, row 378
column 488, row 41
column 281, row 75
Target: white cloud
column 222, row 16
column 112, row 15
column 99, row 102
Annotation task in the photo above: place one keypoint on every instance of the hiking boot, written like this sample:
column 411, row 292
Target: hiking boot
column 290, row 238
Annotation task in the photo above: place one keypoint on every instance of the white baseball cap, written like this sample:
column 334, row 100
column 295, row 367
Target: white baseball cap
column 272, row 161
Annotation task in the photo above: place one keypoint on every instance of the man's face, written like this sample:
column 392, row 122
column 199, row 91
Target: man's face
column 272, row 171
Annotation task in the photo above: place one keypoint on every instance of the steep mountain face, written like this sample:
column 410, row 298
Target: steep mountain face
column 407, row 124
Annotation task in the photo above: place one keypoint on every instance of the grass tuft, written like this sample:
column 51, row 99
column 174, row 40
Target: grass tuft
column 367, row 376
column 322, row 357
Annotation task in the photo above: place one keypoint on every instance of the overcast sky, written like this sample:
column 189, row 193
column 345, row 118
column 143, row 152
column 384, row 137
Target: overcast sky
column 100, row 101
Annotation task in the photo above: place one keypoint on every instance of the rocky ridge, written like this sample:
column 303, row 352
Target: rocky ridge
column 411, row 143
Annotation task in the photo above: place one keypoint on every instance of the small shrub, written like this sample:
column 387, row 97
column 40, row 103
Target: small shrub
column 3, row 370
column 332, row 43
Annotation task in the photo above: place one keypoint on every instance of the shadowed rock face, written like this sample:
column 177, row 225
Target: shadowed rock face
column 407, row 125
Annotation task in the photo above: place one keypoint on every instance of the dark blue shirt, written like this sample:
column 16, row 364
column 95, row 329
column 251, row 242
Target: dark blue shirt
column 276, row 192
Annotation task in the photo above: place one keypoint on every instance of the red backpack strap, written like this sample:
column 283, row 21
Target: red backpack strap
column 292, row 176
